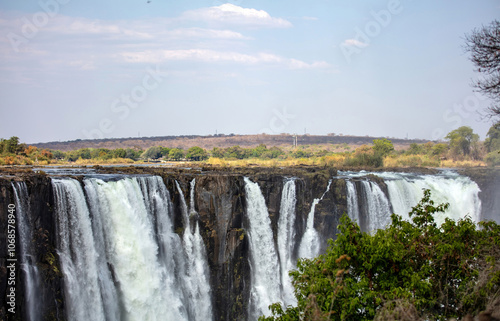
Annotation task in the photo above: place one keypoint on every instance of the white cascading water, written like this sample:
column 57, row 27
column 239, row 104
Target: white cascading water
column 121, row 258
column 310, row 243
column 31, row 275
column 264, row 266
column 286, row 239
column 352, row 202
column 77, row 253
column 196, row 267
column 378, row 210
column 406, row 190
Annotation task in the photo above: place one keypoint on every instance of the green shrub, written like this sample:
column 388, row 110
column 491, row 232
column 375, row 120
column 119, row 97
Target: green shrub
column 426, row 271
column 493, row 158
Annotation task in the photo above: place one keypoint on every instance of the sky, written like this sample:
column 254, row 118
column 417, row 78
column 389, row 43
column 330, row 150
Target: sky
column 74, row 69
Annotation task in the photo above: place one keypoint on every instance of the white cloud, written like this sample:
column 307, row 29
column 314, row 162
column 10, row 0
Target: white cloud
column 354, row 43
column 206, row 33
column 235, row 15
column 213, row 56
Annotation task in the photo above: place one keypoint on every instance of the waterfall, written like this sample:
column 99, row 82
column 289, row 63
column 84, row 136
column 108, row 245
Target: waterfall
column 286, row 238
column 373, row 208
column 265, row 269
column 406, row 190
column 32, row 282
column 77, row 253
column 120, row 257
column 377, row 208
column 310, row 243
column 352, row 202
column 196, row 267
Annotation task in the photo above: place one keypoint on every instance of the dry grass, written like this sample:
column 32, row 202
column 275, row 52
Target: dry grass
column 411, row 161
column 463, row 163
column 112, row 161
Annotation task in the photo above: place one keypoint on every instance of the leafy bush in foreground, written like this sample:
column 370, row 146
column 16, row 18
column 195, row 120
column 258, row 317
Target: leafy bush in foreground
column 411, row 270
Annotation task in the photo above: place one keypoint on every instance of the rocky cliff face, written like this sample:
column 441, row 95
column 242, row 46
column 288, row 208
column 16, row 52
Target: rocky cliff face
column 221, row 205
column 41, row 204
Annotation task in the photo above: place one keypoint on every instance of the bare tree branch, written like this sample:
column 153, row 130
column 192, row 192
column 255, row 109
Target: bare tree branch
column 484, row 47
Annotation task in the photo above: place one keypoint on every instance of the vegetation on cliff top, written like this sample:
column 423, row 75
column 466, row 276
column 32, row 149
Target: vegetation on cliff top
column 409, row 271
column 462, row 149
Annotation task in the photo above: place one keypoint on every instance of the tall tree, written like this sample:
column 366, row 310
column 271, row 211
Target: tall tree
column 484, row 47
column 462, row 140
column 492, row 143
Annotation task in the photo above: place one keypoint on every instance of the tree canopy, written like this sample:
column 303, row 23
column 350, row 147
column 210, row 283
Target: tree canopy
column 462, row 141
column 412, row 268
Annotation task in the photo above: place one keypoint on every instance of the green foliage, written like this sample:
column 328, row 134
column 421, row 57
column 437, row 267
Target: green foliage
column 196, row 153
column 415, row 149
column 439, row 149
column 492, row 143
column 237, row 152
column 462, row 141
column 154, row 152
column 383, row 147
column 299, row 153
column 493, row 158
column 415, row 268
column 119, row 153
column 364, row 156
column 176, row 154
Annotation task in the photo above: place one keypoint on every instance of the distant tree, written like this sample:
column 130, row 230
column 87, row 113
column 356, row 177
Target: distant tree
column 196, row 153
column 484, row 47
column 235, row 152
column 273, row 152
column 30, row 150
column 133, row 154
column 46, row 154
column 154, row 152
column 165, row 151
column 492, row 142
column 84, row 153
column 300, row 154
column 383, row 147
column 462, row 141
column 259, row 150
column 176, row 154
column 414, row 149
column 119, row 153
column 100, row 153
column 439, row 149
column 10, row 145
column 363, row 156
column 217, row 152
column 58, row 154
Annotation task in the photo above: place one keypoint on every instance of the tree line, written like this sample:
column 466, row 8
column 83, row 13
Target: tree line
column 462, row 144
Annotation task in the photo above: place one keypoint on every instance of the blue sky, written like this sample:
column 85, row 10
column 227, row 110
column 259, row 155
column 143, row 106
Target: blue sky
column 74, row 69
